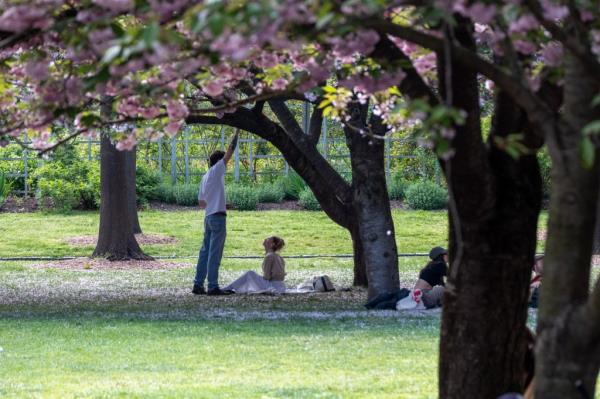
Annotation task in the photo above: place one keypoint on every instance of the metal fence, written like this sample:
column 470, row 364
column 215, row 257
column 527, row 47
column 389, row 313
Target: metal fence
column 180, row 160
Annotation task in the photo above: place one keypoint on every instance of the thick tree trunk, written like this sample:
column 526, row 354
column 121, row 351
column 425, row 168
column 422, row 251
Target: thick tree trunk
column 371, row 210
column 130, row 159
column 116, row 240
column 495, row 202
column 358, row 254
column 596, row 249
column 568, row 345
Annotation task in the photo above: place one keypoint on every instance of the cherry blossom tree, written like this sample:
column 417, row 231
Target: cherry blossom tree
column 378, row 67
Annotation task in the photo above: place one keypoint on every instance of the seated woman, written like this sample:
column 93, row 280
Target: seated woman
column 273, row 268
column 431, row 278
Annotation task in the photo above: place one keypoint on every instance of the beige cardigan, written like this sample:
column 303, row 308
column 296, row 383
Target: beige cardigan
column 273, row 267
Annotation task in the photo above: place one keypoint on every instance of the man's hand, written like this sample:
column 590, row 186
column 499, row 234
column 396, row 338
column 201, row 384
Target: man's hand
column 231, row 148
column 202, row 204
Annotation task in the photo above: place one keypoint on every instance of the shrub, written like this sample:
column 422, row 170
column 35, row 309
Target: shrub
column 61, row 195
column 243, row 198
column 164, row 193
column 147, row 182
column 5, row 188
column 292, row 185
column 426, row 195
column 545, row 171
column 270, row 193
column 308, row 200
column 396, row 187
column 186, row 194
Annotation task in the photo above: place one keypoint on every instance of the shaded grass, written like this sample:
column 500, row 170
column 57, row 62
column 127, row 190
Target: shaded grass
column 96, row 357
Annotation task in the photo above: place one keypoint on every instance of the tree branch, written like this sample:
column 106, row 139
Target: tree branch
column 315, row 125
column 336, row 198
column 413, row 84
column 537, row 111
column 579, row 48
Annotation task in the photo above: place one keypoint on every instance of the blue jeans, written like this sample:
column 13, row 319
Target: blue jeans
column 209, row 260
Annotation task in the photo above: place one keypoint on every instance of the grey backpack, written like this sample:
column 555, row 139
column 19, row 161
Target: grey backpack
column 323, row 284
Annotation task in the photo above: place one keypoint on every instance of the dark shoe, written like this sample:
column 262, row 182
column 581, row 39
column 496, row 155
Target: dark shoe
column 198, row 290
column 218, row 291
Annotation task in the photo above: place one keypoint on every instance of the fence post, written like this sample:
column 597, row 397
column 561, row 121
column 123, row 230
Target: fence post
column 305, row 116
column 26, row 167
column 388, row 157
column 173, row 160
column 324, row 144
column 251, row 156
column 160, row 156
column 236, row 162
column 186, row 155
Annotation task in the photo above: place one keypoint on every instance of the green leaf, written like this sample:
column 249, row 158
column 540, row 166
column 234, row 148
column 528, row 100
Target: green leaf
column 596, row 101
column 112, row 53
column 592, row 128
column 587, row 152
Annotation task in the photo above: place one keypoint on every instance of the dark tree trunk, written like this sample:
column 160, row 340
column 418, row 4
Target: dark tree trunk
column 130, row 159
column 568, row 345
column 116, row 240
column 495, row 202
column 359, row 257
column 596, row 249
column 371, row 205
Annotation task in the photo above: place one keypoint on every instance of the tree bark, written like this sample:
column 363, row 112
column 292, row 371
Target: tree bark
column 371, row 210
column 596, row 249
column 495, row 202
column 359, row 257
column 568, row 347
column 130, row 159
column 116, row 240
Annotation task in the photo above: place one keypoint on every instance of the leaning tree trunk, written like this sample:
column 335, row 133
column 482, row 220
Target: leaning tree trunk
column 568, row 346
column 130, row 159
column 371, row 211
column 116, row 240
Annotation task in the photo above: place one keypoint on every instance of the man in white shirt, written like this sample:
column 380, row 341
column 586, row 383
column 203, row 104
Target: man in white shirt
column 211, row 197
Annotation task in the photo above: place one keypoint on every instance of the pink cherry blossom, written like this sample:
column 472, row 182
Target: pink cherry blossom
column 127, row 143
column 173, row 128
column 553, row 54
column 37, row 69
column 553, row 11
column 482, row 13
column 524, row 24
column 214, row 88
column 177, row 110
column 117, row 6
column 524, row 47
column 279, row 84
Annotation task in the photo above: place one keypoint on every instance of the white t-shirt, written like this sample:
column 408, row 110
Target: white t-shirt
column 212, row 188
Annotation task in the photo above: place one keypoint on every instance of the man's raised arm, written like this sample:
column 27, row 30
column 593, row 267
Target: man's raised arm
column 231, row 148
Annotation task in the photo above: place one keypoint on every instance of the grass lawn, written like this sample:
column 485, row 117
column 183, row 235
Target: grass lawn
column 67, row 333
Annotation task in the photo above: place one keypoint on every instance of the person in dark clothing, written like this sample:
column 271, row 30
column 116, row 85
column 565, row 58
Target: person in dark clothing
column 431, row 278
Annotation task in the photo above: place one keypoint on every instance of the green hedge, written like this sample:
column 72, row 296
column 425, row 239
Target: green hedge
column 427, row 196
column 270, row 193
column 308, row 200
column 292, row 185
column 243, row 198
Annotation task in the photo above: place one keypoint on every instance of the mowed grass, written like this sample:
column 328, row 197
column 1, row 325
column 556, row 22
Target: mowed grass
column 94, row 357
column 44, row 234
column 139, row 333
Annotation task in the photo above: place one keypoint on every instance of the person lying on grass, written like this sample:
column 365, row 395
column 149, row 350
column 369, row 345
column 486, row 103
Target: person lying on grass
column 273, row 268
